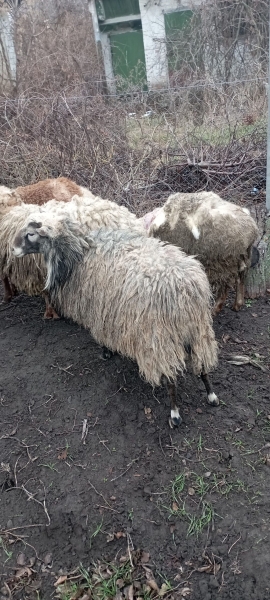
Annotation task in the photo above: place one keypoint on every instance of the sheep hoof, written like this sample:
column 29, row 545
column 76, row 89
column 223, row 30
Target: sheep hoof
column 106, row 353
column 237, row 307
column 217, row 309
column 51, row 314
column 212, row 399
column 175, row 419
column 55, row 316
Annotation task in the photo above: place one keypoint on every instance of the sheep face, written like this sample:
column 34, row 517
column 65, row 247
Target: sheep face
column 61, row 245
column 31, row 240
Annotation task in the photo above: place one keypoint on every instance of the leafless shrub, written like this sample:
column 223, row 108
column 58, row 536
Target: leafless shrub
column 223, row 40
column 208, row 131
column 55, row 48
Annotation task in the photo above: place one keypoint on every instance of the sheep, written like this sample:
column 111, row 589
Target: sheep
column 29, row 276
column 61, row 188
column 219, row 233
column 138, row 296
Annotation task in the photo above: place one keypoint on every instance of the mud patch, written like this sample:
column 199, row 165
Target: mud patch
column 88, row 459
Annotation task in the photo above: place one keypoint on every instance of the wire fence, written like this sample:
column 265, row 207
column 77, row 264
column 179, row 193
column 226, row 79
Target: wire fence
column 206, row 132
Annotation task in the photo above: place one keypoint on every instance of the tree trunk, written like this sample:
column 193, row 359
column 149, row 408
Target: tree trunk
column 258, row 278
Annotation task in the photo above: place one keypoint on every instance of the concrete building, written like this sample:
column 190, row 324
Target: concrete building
column 7, row 52
column 133, row 35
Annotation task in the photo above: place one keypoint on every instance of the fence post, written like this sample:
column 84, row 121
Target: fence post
column 268, row 133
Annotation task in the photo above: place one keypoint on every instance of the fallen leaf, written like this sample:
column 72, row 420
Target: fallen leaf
column 239, row 360
column 130, row 592
column 63, row 455
column 211, row 568
column 21, row 559
column 137, row 585
column 245, row 360
column 175, row 507
column 5, row 466
column 145, row 557
column 120, row 583
column 147, row 589
column 205, row 569
column 48, row 559
column 163, row 590
column 32, row 561
column 207, row 474
column 191, row 491
column 120, row 534
column 254, row 314
column 153, row 585
column 267, row 460
column 226, row 337
column 185, row 592
column 123, row 559
column 24, row 571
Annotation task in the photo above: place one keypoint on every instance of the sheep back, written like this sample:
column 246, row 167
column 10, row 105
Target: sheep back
column 218, row 232
column 61, row 189
column 93, row 212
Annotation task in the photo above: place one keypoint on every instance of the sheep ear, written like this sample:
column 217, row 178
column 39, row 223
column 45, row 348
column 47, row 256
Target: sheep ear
column 42, row 231
column 34, row 224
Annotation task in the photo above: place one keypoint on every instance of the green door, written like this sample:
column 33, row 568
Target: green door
column 117, row 8
column 177, row 37
column 128, row 59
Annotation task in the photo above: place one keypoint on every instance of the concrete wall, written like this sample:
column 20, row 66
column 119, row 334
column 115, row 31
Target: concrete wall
column 154, row 40
column 154, row 37
column 7, row 54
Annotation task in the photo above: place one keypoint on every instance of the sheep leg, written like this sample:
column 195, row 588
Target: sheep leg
column 8, row 291
column 240, row 291
column 175, row 418
column 49, row 310
column 211, row 396
column 221, row 299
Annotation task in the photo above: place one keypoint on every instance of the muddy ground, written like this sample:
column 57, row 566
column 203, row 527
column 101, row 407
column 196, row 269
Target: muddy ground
column 196, row 499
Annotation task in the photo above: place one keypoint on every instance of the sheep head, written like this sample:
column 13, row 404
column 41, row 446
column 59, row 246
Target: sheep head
column 62, row 242
column 32, row 239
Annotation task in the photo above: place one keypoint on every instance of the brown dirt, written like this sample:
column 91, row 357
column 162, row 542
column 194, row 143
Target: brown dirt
column 52, row 378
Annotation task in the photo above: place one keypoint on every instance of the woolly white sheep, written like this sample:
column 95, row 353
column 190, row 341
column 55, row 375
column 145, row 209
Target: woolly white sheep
column 219, row 233
column 138, row 296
